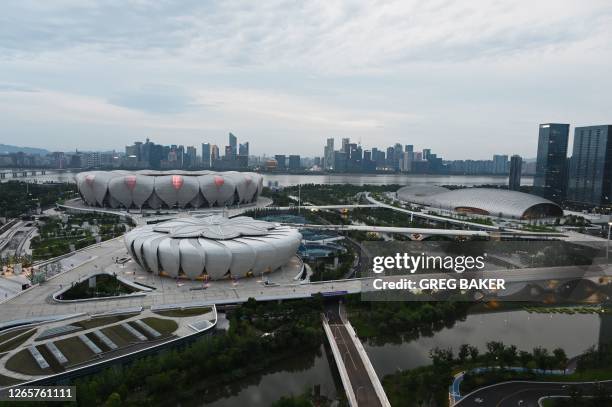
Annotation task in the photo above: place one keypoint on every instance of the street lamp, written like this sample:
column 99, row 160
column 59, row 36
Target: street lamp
column 608, row 242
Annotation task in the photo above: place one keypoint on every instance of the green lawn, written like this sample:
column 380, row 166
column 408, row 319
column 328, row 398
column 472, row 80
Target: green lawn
column 120, row 336
column 183, row 313
column 74, row 350
column 163, row 326
column 8, row 381
column 12, row 334
column 23, row 362
column 100, row 321
column 16, row 341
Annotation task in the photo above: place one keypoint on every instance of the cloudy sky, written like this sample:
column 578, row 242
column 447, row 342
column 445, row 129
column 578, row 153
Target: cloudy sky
column 465, row 78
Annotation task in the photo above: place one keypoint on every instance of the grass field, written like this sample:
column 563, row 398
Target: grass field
column 8, row 381
column 17, row 340
column 74, row 350
column 23, row 362
column 163, row 326
column 182, row 313
column 101, row 321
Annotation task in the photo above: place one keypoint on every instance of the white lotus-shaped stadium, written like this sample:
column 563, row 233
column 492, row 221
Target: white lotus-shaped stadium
column 214, row 247
column 168, row 189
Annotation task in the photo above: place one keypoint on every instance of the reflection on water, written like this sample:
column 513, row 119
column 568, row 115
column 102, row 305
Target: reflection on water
column 519, row 328
column 574, row 333
column 291, row 376
column 354, row 179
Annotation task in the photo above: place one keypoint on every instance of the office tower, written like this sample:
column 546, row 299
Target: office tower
column 243, row 149
column 328, row 155
column 397, row 155
column 409, row 148
column 406, row 162
column 516, row 165
column 294, row 162
column 281, row 161
column 590, row 175
column 189, row 161
column 206, row 155
column 550, row 179
column 214, row 153
column 233, row 141
column 500, row 164
column 345, row 144
column 389, row 158
column 426, row 153
column 340, row 161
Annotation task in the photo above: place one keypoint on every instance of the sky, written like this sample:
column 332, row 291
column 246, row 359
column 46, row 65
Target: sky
column 467, row 79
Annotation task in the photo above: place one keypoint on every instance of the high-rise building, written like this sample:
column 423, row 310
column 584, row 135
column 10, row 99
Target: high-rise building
column 426, row 153
column 406, row 162
column 500, row 164
column 590, row 175
column 340, row 161
column 550, row 180
column 294, row 162
column 214, row 153
column 281, row 161
column 328, row 155
column 516, row 166
column 345, row 145
column 233, row 150
column 206, row 155
column 243, row 149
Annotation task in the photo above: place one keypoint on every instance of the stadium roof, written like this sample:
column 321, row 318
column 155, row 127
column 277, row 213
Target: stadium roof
column 482, row 201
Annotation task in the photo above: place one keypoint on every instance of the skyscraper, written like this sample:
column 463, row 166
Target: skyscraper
column 516, row 166
column 243, row 149
column 550, row 179
column 214, row 153
column 345, row 145
column 206, row 155
column 590, row 175
column 328, row 155
column 281, row 161
column 294, row 162
column 500, row 164
column 233, row 142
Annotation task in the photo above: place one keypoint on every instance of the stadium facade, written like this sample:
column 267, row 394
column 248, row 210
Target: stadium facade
column 213, row 247
column 168, row 189
column 482, row 201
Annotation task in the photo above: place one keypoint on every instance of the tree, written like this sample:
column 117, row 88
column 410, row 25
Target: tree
column 524, row 359
column 560, row 358
column 473, row 353
column 464, row 352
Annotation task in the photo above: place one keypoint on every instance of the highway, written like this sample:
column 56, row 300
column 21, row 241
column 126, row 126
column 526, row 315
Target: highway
column 524, row 394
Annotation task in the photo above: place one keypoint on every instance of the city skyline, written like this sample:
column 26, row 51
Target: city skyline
column 379, row 73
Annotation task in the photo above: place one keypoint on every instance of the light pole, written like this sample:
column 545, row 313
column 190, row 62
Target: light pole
column 608, row 243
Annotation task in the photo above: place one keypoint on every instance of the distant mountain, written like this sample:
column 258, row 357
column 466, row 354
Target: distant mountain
column 5, row 149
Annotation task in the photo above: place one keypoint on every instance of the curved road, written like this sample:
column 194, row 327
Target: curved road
column 524, row 394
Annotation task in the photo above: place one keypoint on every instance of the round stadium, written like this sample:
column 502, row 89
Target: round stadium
column 482, row 201
column 212, row 247
column 168, row 189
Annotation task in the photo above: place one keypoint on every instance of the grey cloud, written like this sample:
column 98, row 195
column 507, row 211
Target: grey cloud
column 163, row 99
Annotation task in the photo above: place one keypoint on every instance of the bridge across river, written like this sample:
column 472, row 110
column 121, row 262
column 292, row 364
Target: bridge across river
column 360, row 382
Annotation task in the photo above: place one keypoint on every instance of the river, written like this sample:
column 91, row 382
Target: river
column 315, row 367
column 295, row 179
